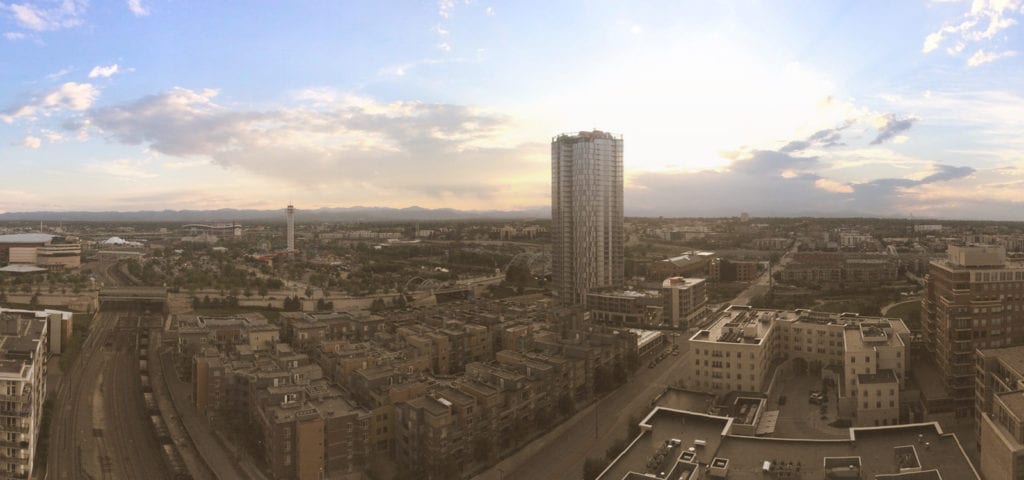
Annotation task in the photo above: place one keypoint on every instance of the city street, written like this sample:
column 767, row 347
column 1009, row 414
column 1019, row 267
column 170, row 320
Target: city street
column 101, row 429
column 560, row 454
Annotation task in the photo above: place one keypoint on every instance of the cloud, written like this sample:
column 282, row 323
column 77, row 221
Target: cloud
column 59, row 73
column 947, row 172
column 982, row 22
column 833, row 186
column 336, row 140
column 489, row 11
column 31, row 142
column 890, row 126
column 444, row 46
column 69, row 96
column 14, row 36
column 980, row 57
column 100, row 71
column 137, row 8
column 718, row 193
column 445, row 8
column 829, row 137
column 66, row 14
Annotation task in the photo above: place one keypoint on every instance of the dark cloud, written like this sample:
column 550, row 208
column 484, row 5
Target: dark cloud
column 948, row 172
column 829, row 137
column 892, row 127
column 761, row 191
column 795, row 146
column 772, row 162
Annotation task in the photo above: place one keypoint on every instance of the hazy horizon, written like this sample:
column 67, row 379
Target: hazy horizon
column 846, row 108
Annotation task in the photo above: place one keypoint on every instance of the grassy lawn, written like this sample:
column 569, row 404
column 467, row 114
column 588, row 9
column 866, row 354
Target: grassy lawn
column 910, row 312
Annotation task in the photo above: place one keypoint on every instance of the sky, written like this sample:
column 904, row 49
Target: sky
column 912, row 108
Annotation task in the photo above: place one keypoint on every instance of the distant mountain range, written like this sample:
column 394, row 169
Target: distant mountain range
column 347, row 214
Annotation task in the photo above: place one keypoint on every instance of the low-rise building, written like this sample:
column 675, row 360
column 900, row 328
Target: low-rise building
column 739, row 350
column 628, row 308
column 684, row 301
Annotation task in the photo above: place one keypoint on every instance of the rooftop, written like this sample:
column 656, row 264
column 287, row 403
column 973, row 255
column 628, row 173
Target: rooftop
column 26, row 238
column 681, row 282
column 880, row 450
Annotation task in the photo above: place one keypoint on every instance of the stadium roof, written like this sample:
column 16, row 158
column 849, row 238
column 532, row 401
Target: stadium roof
column 26, row 238
column 21, row 268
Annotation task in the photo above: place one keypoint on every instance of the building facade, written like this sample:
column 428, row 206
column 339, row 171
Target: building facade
column 973, row 300
column 586, row 214
column 685, row 301
column 999, row 411
column 868, row 355
column 23, row 358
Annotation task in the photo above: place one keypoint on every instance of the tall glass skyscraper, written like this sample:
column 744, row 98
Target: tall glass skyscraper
column 586, row 214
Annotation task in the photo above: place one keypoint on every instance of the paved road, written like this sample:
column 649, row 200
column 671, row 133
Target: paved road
column 760, row 286
column 101, row 429
column 560, row 454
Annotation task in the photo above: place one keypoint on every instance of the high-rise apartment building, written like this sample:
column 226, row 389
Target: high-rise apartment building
column 973, row 300
column 586, row 214
column 291, row 228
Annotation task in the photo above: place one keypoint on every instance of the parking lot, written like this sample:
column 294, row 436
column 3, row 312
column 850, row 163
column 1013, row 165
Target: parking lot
column 798, row 417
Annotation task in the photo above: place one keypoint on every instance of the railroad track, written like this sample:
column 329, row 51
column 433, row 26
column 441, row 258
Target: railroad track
column 124, row 444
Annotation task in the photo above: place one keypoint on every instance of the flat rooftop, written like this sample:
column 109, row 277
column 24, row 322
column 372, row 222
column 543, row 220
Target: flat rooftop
column 738, row 324
column 876, row 447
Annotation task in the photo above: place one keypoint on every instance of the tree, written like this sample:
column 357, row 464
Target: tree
column 518, row 275
column 482, row 448
column 592, row 467
column 566, row 406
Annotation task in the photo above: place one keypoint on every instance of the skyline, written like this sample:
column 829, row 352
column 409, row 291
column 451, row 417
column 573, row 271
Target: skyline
column 845, row 109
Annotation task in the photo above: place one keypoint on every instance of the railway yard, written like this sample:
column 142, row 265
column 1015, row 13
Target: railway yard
column 107, row 423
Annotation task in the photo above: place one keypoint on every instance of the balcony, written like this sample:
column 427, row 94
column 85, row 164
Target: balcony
column 14, row 428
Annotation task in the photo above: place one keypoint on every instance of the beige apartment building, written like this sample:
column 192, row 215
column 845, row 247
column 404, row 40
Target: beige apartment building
column 866, row 356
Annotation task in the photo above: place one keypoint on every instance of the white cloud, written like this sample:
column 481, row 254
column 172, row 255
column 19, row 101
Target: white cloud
column 983, row 21
column 137, row 8
column 489, row 11
column 59, row 73
column 342, row 141
column 100, row 71
column 981, row 57
column 14, row 36
column 31, row 142
column 51, row 136
column 69, row 96
column 444, row 46
column 66, row 14
column 445, row 7
column 440, row 30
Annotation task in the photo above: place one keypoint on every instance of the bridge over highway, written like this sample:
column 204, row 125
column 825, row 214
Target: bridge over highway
column 140, row 299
